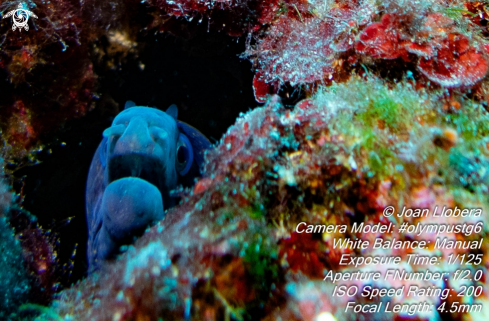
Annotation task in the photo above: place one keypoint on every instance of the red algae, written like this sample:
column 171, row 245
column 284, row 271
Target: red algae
column 455, row 63
column 383, row 39
column 448, row 57
column 261, row 89
column 303, row 254
column 305, row 49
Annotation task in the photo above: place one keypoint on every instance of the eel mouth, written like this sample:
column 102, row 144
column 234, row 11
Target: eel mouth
column 148, row 168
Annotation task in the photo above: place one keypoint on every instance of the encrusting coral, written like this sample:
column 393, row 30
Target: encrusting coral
column 231, row 249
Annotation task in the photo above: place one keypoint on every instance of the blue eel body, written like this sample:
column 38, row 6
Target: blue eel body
column 144, row 155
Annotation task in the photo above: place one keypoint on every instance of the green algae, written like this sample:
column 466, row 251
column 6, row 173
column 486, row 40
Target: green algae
column 45, row 313
column 261, row 254
column 456, row 13
column 399, row 134
column 472, row 123
column 371, row 116
column 261, row 257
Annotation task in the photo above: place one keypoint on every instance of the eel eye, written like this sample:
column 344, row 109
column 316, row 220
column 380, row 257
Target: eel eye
column 185, row 155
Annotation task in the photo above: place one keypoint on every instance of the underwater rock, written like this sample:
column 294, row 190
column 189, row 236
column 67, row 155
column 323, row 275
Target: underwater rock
column 232, row 248
column 39, row 253
column 14, row 279
column 29, row 271
column 296, row 43
column 6, row 194
column 234, row 17
column 49, row 61
column 314, row 46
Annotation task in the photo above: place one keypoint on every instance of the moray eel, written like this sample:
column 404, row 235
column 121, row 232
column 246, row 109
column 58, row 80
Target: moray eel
column 143, row 156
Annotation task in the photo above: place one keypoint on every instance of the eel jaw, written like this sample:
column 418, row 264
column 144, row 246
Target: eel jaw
column 129, row 206
column 143, row 166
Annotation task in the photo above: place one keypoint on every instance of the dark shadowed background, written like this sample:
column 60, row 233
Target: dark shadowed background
column 201, row 73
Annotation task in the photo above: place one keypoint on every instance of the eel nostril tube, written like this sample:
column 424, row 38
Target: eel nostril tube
column 158, row 133
column 114, row 130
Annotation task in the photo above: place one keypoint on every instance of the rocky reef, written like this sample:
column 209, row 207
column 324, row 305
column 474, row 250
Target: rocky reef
column 50, row 74
column 389, row 109
column 14, row 283
column 232, row 249
column 29, row 269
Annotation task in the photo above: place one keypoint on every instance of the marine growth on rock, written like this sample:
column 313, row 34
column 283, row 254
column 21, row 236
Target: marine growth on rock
column 338, row 157
column 361, row 105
